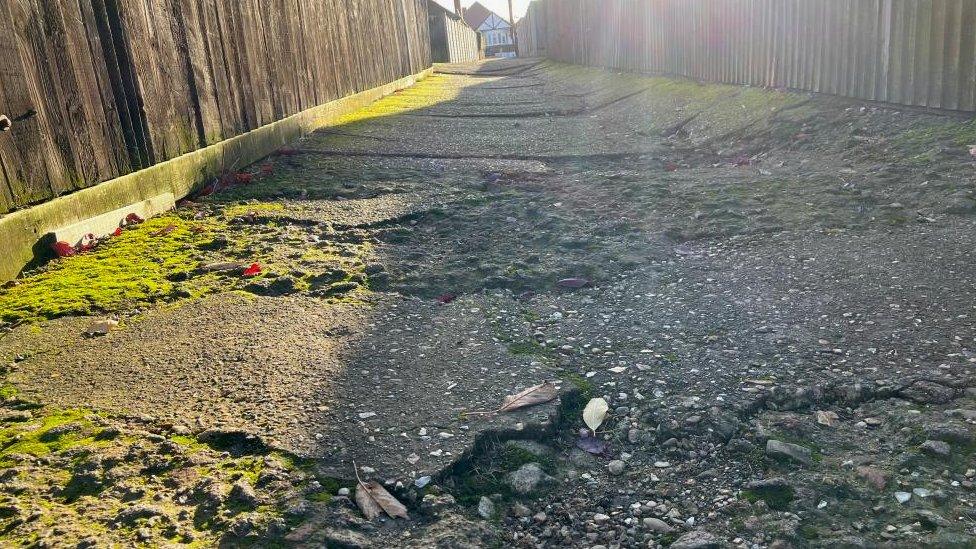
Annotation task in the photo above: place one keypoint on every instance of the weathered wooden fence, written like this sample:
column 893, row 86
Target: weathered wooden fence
column 914, row 52
column 94, row 89
column 451, row 39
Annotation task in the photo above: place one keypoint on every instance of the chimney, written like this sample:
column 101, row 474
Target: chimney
column 457, row 8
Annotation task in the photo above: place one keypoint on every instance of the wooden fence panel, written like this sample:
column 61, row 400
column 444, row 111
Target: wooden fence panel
column 915, row 52
column 100, row 88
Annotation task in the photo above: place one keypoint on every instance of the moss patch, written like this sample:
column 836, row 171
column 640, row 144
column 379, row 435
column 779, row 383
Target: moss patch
column 55, row 432
column 129, row 270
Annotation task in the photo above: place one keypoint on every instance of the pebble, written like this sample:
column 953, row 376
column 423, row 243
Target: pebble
column 616, row 467
column 657, row 525
column 936, row 448
column 903, row 497
column 486, row 508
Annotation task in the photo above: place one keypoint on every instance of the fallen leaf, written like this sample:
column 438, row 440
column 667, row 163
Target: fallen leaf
column 253, row 270
column 101, row 327
column 590, row 444
column 132, row 219
column 537, row 394
column 63, row 249
column 573, row 283
column 373, row 499
column 827, row 418
column 595, row 412
column 117, row 232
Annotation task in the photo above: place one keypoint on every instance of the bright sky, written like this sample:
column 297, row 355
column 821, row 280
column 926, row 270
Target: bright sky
column 498, row 6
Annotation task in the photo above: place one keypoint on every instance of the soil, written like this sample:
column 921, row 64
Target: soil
column 759, row 266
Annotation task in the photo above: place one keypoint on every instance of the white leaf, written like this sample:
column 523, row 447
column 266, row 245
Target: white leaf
column 595, row 412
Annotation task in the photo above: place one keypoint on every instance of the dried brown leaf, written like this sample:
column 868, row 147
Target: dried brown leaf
column 373, row 499
column 537, row 394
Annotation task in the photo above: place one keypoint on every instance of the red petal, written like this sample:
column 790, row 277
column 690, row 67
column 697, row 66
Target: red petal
column 63, row 249
column 253, row 270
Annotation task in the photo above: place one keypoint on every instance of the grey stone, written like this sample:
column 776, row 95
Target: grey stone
column 699, row 539
column 486, row 508
column 657, row 525
column 616, row 467
column 527, row 479
column 786, row 451
column 936, row 448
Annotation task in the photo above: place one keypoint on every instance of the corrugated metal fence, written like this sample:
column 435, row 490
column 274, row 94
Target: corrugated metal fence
column 95, row 89
column 915, row 52
column 451, row 39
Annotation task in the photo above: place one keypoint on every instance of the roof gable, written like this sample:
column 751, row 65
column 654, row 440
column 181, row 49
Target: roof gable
column 494, row 22
column 477, row 16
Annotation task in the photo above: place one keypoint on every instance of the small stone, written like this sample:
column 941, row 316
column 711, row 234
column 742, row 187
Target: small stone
column 343, row 492
column 486, row 508
column 698, row 540
column 903, row 497
column 540, row 517
column 874, row 476
column 936, row 448
column 616, row 467
column 600, row 517
column 657, row 525
column 520, row 510
column 778, row 449
column 527, row 478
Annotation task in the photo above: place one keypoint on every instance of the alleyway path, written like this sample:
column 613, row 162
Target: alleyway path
column 757, row 264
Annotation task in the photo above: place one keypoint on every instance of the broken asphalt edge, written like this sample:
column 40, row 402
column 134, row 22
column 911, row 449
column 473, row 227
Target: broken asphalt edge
column 22, row 232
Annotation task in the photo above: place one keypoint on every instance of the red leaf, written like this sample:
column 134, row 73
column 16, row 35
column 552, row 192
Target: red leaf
column 253, row 270
column 444, row 299
column 243, row 178
column 63, row 249
column 132, row 218
column 117, row 232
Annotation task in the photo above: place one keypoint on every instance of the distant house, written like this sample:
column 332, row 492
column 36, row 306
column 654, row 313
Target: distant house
column 496, row 32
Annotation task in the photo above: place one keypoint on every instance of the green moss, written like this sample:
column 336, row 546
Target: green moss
column 129, row 270
column 189, row 443
column 8, row 392
column 529, row 347
column 778, row 498
column 42, row 437
column 248, row 468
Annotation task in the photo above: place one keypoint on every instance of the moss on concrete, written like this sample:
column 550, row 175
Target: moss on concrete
column 129, row 270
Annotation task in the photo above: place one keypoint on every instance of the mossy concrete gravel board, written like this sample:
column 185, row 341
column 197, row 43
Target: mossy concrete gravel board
column 21, row 232
column 106, row 223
